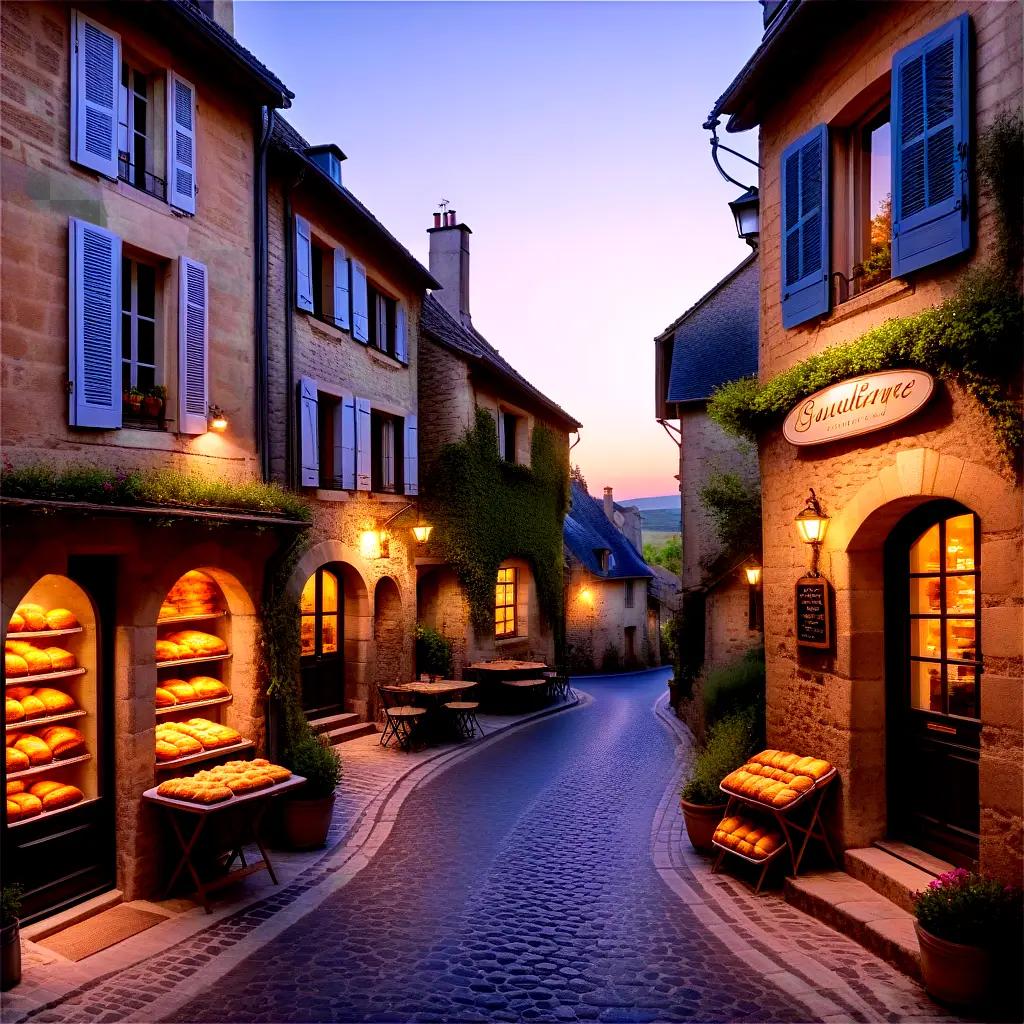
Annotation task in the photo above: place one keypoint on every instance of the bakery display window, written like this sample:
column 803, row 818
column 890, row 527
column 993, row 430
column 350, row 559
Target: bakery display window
column 51, row 712
column 193, row 660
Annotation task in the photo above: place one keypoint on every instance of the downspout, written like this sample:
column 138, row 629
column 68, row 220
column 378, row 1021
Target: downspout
column 262, row 396
column 291, row 477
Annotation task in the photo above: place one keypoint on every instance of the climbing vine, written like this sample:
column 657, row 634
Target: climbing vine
column 486, row 510
column 972, row 339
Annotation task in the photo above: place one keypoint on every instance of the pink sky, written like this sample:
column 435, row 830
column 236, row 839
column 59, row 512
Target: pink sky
column 567, row 135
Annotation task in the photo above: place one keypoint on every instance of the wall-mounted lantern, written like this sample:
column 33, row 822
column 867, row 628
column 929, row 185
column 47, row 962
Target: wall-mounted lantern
column 218, row 419
column 753, row 570
column 812, row 523
column 746, row 212
column 376, row 542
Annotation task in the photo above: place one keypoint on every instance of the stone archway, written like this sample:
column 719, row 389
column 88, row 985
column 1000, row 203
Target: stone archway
column 388, row 636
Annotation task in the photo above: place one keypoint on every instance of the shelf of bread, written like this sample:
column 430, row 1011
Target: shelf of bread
column 204, row 755
column 184, row 620
column 209, row 659
column 225, row 782
column 47, row 677
column 43, row 814
column 748, row 838
column 177, row 709
column 777, row 779
column 49, row 766
column 33, row 723
column 44, row 634
column 28, row 800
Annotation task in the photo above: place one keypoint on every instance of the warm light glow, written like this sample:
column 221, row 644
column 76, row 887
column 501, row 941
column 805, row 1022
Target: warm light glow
column 422, row 533
column 587, row 595
column 753, row 573
column 219, row 423
column 812, row 526
column 370, row 544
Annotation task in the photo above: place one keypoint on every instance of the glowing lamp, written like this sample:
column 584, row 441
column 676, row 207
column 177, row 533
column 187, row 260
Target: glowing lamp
column 218, row 421
column 371, row 544
column 587, row 595
column 421, row 531
column 812, row 525
column 753, row 573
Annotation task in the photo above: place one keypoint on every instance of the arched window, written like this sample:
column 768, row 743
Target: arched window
column 323, row 667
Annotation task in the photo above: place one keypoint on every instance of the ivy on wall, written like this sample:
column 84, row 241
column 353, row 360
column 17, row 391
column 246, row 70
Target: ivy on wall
column 486, row 510
column 972, row 339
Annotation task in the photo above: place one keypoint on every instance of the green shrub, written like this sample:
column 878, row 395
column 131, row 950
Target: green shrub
column 1001, row 163
column 965, row 907
column 433, row 652
column 735, row 686
column 10, row 904
column 734, row 506
column 318, row 763
column 730, row 742
column 611, row 660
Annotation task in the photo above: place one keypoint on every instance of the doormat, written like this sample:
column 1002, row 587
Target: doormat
column 99, row 932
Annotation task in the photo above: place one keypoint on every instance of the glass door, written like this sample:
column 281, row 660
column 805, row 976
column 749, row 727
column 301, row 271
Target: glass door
column 323, row 665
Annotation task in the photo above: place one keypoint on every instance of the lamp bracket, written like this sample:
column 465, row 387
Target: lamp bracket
column 403, row 509
column 711, row 125
column 814, row 505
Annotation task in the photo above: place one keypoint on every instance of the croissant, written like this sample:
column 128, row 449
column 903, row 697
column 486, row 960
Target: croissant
column 63, row 740
column 56, row 794
column 23, row 805
column 14, row 665
column 61, row 618
column 33, row 615
column 13, row 710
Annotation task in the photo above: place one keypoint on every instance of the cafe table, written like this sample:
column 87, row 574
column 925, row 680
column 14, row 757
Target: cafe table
column 492, row 673
column 433, row 695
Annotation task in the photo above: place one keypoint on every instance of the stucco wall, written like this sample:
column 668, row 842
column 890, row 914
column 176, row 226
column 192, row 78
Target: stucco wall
column 728, row 635
column 596, row 615
column 42, row 189
column 833, row 704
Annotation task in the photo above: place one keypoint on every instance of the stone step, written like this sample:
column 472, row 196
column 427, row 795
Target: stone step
column 349, row 732
column 328, row 722
column 887, row 875
column 912, row 855
column 856, row 910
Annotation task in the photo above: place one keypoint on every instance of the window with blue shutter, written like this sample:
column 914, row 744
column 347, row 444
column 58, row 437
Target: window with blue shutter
column 95, row 81
column 193, row 346
column 805, row 228
column 930, row 148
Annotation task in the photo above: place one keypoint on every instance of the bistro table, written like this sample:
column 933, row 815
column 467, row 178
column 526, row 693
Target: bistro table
column 246, row 829
column 493, row 673
column 434, row 695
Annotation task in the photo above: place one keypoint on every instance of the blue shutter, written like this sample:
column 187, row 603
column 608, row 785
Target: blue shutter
column 804, row 229
column 309, row 432
column 930, row 147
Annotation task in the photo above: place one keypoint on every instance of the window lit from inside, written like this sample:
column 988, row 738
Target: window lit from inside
column 319, row 611
column 386, row 453
column 138, row 141
column 505, row 603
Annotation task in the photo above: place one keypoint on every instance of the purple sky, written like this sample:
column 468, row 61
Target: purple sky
column 567, row 135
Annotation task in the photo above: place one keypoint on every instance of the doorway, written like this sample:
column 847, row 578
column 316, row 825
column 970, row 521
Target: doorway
column 934, row 670
column 322, row 629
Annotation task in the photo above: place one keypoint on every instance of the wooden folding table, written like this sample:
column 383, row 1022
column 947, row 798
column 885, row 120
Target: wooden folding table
column 189, row 820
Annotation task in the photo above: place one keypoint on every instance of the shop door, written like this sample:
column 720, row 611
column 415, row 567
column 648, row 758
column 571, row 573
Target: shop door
column 323, row 664
column 934, row 668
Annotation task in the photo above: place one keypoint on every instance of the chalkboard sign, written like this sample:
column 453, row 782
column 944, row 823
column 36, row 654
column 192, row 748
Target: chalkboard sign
column 813, row 613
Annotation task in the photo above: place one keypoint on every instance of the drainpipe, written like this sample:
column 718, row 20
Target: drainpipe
column 291, row 476
column 262, row 395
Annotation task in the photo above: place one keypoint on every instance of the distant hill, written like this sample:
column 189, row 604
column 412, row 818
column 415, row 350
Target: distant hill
column 660, row 520
column 666, row 501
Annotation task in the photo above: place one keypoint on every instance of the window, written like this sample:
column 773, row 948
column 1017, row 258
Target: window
column 319, row 610
column 605, row 560
column 140, row 363
column 321, row 287
column 138, row 138
column 630, row 639
column 630, row 593
column 505, row 596
column 386, row 452
column 509, row 433
column 328, row 427
column 382, row 320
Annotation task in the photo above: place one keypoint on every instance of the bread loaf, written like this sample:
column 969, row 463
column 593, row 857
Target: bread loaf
column 16, row 624
column 23, row 805
column 38, row 661
column 15, row 786
column 14, row 665
column 33, row 615
column 54, row 701
column 56, row 794
column 60, row 660
column 166, row 751
column 198, row 642
column 63, row 740
column 168, row 651
column 19, row 692
column 182, row 692
column 164, row 697
column 206, row 687
column 61, row 618
column 13, row 711
column 34, row 707
column 34, row 748
column 16, row 760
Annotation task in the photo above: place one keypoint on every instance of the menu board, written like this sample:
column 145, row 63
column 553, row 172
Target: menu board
column 813, row 613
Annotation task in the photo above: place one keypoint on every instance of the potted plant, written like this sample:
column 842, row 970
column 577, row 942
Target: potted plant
column 132, row 400
column 728, row 745
column 963, row 920
column 307, row 815
column 433, row 652
column 10, row 939
column 153, row 401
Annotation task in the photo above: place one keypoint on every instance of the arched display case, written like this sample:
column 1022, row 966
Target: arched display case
column 193, row 661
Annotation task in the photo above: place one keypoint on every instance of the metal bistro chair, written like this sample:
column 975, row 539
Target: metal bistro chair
column 463, row 713
column 401, row 720
column 560, row 686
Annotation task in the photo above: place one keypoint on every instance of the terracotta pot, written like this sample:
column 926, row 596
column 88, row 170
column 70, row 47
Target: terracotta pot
column 153, row 406
column 306, row 822
column 955, row 973
column 700, row 820
column 134, row 402
column 10, row 957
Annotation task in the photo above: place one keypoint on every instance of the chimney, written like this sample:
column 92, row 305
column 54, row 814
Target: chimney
column 220, row 11
column 449, row 264
column 609, row 505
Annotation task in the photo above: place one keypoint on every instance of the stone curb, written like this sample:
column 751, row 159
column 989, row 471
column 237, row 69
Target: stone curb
column 833, row 977
column 340, row 863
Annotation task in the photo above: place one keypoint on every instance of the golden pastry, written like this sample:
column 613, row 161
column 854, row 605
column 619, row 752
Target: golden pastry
column 61, row 618
column 207, row 687
column 15, row 786
column 167, row 651
column 56, row 794
column 198, row 642
column 183, row 692
column 34, row 748
column 164, row 697
column 166, row 751
column 13, row 710
column 16, row 760
column 17, row 623
column 23, row 805
column 60, row 659
column 14, row 665
column 19, row 692
column 38, row 661
column 34, row 707
column 63, row 740
column 54, row 701
column 34, row 616
column 19, row 646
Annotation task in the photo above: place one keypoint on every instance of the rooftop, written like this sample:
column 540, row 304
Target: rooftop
column 587, row 531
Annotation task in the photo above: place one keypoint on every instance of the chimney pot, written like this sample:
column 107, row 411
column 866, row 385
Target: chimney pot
column 437, row 220
column 449, row 264
column 609, row 504
column 451, row 218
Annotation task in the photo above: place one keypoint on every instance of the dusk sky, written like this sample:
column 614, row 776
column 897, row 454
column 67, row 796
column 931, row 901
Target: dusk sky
column 568, row 137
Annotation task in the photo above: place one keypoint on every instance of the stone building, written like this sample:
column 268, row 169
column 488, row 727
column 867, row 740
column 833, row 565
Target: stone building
column 344, row 312
column 130, row 163
column 872, row 210
column 712, row 343
column 611, row 617
column 461, row 373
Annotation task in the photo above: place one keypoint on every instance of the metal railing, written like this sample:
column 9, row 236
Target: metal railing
column 141, row 179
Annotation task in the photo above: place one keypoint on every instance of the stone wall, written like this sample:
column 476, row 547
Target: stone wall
column 42, row 189
column 728, row 635
column 596, row 616
column 833, row 704
column 446, row 409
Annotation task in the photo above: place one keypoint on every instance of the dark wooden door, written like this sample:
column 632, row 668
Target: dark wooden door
column 322, row 639
column 934, row 668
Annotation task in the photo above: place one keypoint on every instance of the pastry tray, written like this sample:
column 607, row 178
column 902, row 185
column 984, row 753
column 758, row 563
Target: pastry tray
column 32, row 723
column 188, row 705
column 192, row 661
column 175, row 620
column 43, row 677
column 46, row 815
column 197, row 808
column 42, row 634
column 50, row 766
column 204, row 755
column 760, row 862
column 751, row 801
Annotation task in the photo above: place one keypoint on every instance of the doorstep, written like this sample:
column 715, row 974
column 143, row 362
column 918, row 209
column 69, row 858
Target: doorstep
column 74, row 915
column 871, row 902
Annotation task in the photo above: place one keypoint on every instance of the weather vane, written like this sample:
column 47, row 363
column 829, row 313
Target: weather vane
column 444, row 204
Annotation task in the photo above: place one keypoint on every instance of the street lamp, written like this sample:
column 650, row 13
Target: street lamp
column 752, row 570
column 746, row 212
column 812, row 524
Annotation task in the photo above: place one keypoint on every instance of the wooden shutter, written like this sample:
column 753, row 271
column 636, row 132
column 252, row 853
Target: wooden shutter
column 360, row 306
column 303, row 265
column 342, row 314
column 193, row 346
column 94, row 304
column 410, row 448
column 309, row 433
column 181, row 143
column 401, row 334
column 805, row 228
column 363, row 444
column 95, row 85
column 931, row 132
column 348, row 442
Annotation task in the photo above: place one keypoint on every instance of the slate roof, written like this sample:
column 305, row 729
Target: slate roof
column 715, row 340
column 446, row 330
column 285, row 138
column 587, row 530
